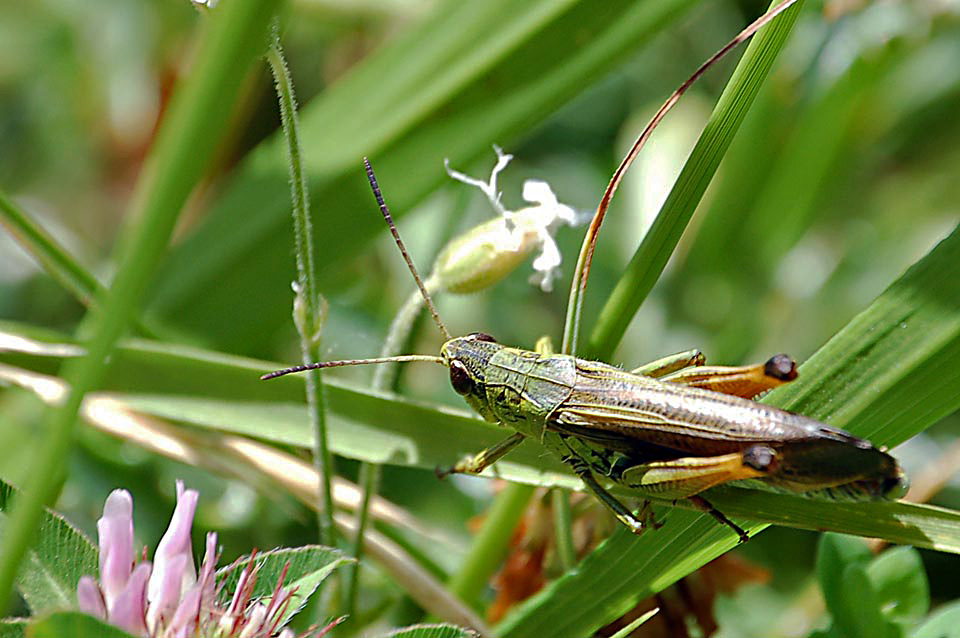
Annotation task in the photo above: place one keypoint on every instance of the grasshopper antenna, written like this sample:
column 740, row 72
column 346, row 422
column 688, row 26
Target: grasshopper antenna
column 352, row 362
column 403, row 249
column 423, row 291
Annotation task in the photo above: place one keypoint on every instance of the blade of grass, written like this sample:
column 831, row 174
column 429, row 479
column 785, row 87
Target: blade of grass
column 571, row 328
column 55, row 259
column 658, row 244
column 52, row 257
column 184, row 144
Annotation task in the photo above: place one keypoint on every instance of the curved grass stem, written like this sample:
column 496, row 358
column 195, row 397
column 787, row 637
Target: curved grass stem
column 309, row 307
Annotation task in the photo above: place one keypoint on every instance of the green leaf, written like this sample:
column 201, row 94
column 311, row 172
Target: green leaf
column 835, row 553
column 13, row 627
column 857, row 613
column 60, row 555
column 73, row 624
column 900, row 580
column 944, row 623
column 302, row 568
column 850, row 595
column 431, row 631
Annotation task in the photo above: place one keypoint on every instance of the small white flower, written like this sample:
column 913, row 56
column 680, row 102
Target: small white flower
column 518, row 232
column 489, row 188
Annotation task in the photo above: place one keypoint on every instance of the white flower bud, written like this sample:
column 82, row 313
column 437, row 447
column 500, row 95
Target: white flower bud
column 489, row 252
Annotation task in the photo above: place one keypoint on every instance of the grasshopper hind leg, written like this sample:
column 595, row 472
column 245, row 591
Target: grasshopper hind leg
column 748, row 382
column 704, row 505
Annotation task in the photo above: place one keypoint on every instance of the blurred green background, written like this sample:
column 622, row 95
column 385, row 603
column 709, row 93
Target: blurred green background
column 844, row 173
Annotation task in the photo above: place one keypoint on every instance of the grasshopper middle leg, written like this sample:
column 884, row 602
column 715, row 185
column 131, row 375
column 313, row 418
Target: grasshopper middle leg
column 670, row 363
column 576, row 458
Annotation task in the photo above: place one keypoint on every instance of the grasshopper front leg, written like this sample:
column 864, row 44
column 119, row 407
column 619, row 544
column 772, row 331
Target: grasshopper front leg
column 485, row 458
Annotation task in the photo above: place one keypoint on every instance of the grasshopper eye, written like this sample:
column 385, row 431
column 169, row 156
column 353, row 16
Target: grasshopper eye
column 482, row 336
column 460, row 379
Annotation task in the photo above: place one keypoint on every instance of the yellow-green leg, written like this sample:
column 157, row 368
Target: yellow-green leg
column 483, row 459
column 671, row 363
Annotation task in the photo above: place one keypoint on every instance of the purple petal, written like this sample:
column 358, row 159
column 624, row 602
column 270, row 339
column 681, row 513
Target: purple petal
column 176, row 542
column 240, row 598
column 207, row 579
column 90, row 598
column 115, row 532
column 166, row 597
column 184, row 620
column 254, row 621
column 128, row 611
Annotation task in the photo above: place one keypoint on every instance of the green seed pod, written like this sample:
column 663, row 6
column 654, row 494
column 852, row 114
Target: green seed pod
column 486, row 254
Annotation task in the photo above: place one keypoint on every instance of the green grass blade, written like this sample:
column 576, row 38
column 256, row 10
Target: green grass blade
column 184, row 144
column 658, row 244
column 52, row 257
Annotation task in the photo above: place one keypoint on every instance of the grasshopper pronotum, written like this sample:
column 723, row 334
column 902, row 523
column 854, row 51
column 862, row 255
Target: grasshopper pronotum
column 668, row 430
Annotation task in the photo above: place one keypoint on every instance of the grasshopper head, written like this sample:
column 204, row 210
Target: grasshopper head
column 467, row 358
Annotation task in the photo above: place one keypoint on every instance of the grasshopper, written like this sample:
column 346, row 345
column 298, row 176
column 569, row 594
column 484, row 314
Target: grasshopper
column 666, row 431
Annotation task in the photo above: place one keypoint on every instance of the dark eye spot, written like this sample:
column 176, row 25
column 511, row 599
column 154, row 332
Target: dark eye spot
column 781, row 367
column 460, row 379
column 760, row 458
column 482, row 336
